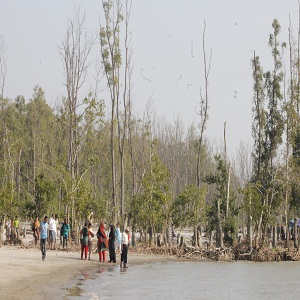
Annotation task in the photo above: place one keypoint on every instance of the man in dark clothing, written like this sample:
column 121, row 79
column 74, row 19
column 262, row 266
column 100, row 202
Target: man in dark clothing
column 111, row 244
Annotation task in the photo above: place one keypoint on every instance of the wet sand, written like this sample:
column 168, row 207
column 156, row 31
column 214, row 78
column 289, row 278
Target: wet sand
column 24, row 275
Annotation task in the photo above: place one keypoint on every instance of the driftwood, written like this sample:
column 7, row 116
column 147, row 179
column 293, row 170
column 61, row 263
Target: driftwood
column 219, row 254
column 266, row 254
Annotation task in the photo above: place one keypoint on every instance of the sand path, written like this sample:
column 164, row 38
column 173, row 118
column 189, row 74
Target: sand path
column 24, row 275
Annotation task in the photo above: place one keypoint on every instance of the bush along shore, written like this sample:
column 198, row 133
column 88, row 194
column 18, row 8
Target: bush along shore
column 182, row 248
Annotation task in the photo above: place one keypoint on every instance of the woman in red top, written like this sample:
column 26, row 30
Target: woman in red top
column 102, row 242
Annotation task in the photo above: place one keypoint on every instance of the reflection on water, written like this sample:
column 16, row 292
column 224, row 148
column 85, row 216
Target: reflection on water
column 191, row 280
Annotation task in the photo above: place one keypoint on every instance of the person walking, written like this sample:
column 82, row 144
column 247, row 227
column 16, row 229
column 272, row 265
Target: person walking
column 102, row 242
column 64, row 232
column 125, row 242
column 111, row 244
column 44, row 236
column 84, row 240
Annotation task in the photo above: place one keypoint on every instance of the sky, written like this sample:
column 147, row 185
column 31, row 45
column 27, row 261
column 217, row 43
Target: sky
column 167, row 55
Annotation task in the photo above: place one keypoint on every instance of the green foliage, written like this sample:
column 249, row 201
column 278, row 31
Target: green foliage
column 7, row 200
column 29, row 209
column 109, row 41
column 252, row 202
column 188, row 208
column 266, row 189
column 44, row 194
column 83, row 203
column 220, row 180
column 150, row 208
column 230, row 230
column 159, row 164
column 295, row 198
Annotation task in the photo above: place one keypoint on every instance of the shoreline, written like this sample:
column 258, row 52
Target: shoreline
column 25, row 276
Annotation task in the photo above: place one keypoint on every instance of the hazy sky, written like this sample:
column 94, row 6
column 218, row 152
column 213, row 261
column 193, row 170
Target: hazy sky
column 167, row 54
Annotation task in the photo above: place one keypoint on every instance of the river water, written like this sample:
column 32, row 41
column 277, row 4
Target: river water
column 190, row 280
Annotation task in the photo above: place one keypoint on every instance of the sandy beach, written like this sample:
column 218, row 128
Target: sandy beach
column 25, row 276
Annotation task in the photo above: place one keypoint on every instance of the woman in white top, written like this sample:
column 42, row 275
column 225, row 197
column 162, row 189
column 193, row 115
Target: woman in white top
column 124, row 241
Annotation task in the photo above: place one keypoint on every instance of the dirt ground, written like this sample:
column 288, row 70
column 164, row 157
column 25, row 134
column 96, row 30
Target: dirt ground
column 24, row 275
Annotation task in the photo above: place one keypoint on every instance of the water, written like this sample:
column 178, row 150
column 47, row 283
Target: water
column 191, row 280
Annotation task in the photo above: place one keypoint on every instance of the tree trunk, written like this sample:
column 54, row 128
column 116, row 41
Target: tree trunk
column 203, row 108
column 211, row 238
column 295, row 235
column 227, row 194
column 182, row 244
column 178, row 239
column 250, row 235
column 274, row 237
column 2, row 228
column 200, row 237
column 195, row 236
column 219, row 234
column 133, row 239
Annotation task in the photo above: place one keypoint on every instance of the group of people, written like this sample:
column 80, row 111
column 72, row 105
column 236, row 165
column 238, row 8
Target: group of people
column 55, row 229
column 47, row 231
column 105, row 243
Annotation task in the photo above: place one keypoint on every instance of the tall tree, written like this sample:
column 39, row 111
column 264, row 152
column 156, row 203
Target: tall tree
column 113, row 61
column 123, row 118
column 267, row 129
column 203, row 106
column 75, row 52
column 3, row 71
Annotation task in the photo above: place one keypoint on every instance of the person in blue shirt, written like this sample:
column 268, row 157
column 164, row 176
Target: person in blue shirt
column 118, row 237
column 44, row 236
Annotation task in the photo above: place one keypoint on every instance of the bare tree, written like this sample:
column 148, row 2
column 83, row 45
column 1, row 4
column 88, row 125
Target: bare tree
column 75, row 51
column 203, row 106
column 3, row 58
column 3, row 69
column 203, row 114
column 123, row 123
column 112, row 59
